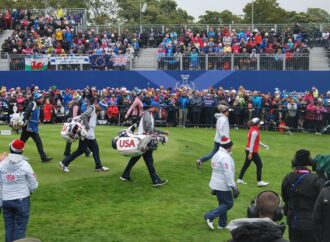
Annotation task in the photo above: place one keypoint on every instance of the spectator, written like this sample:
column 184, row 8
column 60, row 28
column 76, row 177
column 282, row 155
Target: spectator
column 17, row 181
column 320, row 113
column 183, row 108
column 136, row 109
column 292, row 114
column 195, row 104
column 300, row 189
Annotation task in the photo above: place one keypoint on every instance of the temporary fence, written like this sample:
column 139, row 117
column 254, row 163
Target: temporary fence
column 189, row 61
column 203, row 116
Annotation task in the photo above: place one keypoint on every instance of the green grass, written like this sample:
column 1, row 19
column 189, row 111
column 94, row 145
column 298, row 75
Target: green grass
column 84, row 205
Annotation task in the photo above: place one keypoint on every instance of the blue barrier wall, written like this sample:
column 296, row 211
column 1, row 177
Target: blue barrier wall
column 265, row 81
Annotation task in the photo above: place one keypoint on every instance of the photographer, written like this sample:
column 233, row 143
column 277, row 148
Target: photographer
column 321, row 212
column 260, row 225
column 300, row 189
column 222, row 184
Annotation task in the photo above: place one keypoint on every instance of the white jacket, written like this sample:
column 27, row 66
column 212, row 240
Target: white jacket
column 17, row 179
column 223, row 171
column 222, row 127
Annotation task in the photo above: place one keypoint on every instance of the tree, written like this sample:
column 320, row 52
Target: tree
column 214, row 17
column 103, row 11
column 318, row 15
column 158, row 12
column 264, row 11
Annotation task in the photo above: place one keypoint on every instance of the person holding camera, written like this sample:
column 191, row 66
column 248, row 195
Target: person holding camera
column 321, row 211
column 222, row 129
column 260, row 225
column 300, row 189
column 222, row 184
column 252, row 152
column 17, row 182
column 136, row 109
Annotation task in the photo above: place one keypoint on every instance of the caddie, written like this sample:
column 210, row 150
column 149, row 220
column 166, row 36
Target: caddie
column 146, row 127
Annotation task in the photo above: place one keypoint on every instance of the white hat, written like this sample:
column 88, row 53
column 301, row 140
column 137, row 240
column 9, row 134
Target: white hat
column 256, row 121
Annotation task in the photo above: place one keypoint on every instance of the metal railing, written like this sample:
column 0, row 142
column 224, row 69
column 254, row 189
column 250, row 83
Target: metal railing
column 224, row 61
column 310, row 28
column 203, row 116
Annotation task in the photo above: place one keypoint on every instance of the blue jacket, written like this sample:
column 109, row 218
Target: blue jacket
column 256, row 102
column 183, row 102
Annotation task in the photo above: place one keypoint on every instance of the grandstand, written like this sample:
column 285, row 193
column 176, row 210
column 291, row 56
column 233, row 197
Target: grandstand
column 159, row 47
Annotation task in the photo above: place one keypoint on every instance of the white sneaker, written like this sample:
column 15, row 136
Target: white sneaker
column 209, row 223
column 103, row 168
column 262, row 184
column 63, row 167
column 241, row 181
column 221, row 228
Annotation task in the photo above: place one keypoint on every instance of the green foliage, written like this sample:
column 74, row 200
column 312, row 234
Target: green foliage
column 167, row 12
column 264, row 11
column 318, row 15
column 85, row 206
column 158, row 12
column 224, row 17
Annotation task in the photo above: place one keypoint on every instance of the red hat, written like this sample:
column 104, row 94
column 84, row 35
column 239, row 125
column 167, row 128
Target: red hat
column 224, row 140
column 17, row 146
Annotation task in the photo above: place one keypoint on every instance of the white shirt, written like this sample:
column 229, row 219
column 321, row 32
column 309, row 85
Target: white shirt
column 222, row 127
column 223, row 171
column 92, row 125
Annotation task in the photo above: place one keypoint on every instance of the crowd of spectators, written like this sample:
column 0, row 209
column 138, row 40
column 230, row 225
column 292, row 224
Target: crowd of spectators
column 280, row 110
column 220, row 44
column 57, row 33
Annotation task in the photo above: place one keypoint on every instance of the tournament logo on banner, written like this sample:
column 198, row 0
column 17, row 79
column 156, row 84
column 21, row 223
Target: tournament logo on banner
column 36, row 63
column 185, row 83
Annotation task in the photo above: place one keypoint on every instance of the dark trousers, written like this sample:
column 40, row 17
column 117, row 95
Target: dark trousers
column 16, row 217
column 68, row 149
column 208, row 156
column 148, row 159
column 226, row 202
column 36, row 138
column 303, row 235
column 257, row 160
column 196, row 118
column 318, row 125
column 83, row 145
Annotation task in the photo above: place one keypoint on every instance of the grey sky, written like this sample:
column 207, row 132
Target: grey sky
column 198, row 7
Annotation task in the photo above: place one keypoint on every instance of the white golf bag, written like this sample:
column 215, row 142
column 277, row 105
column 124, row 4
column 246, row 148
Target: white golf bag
column 74, row 130
column 132, row 145
column 16, row 120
